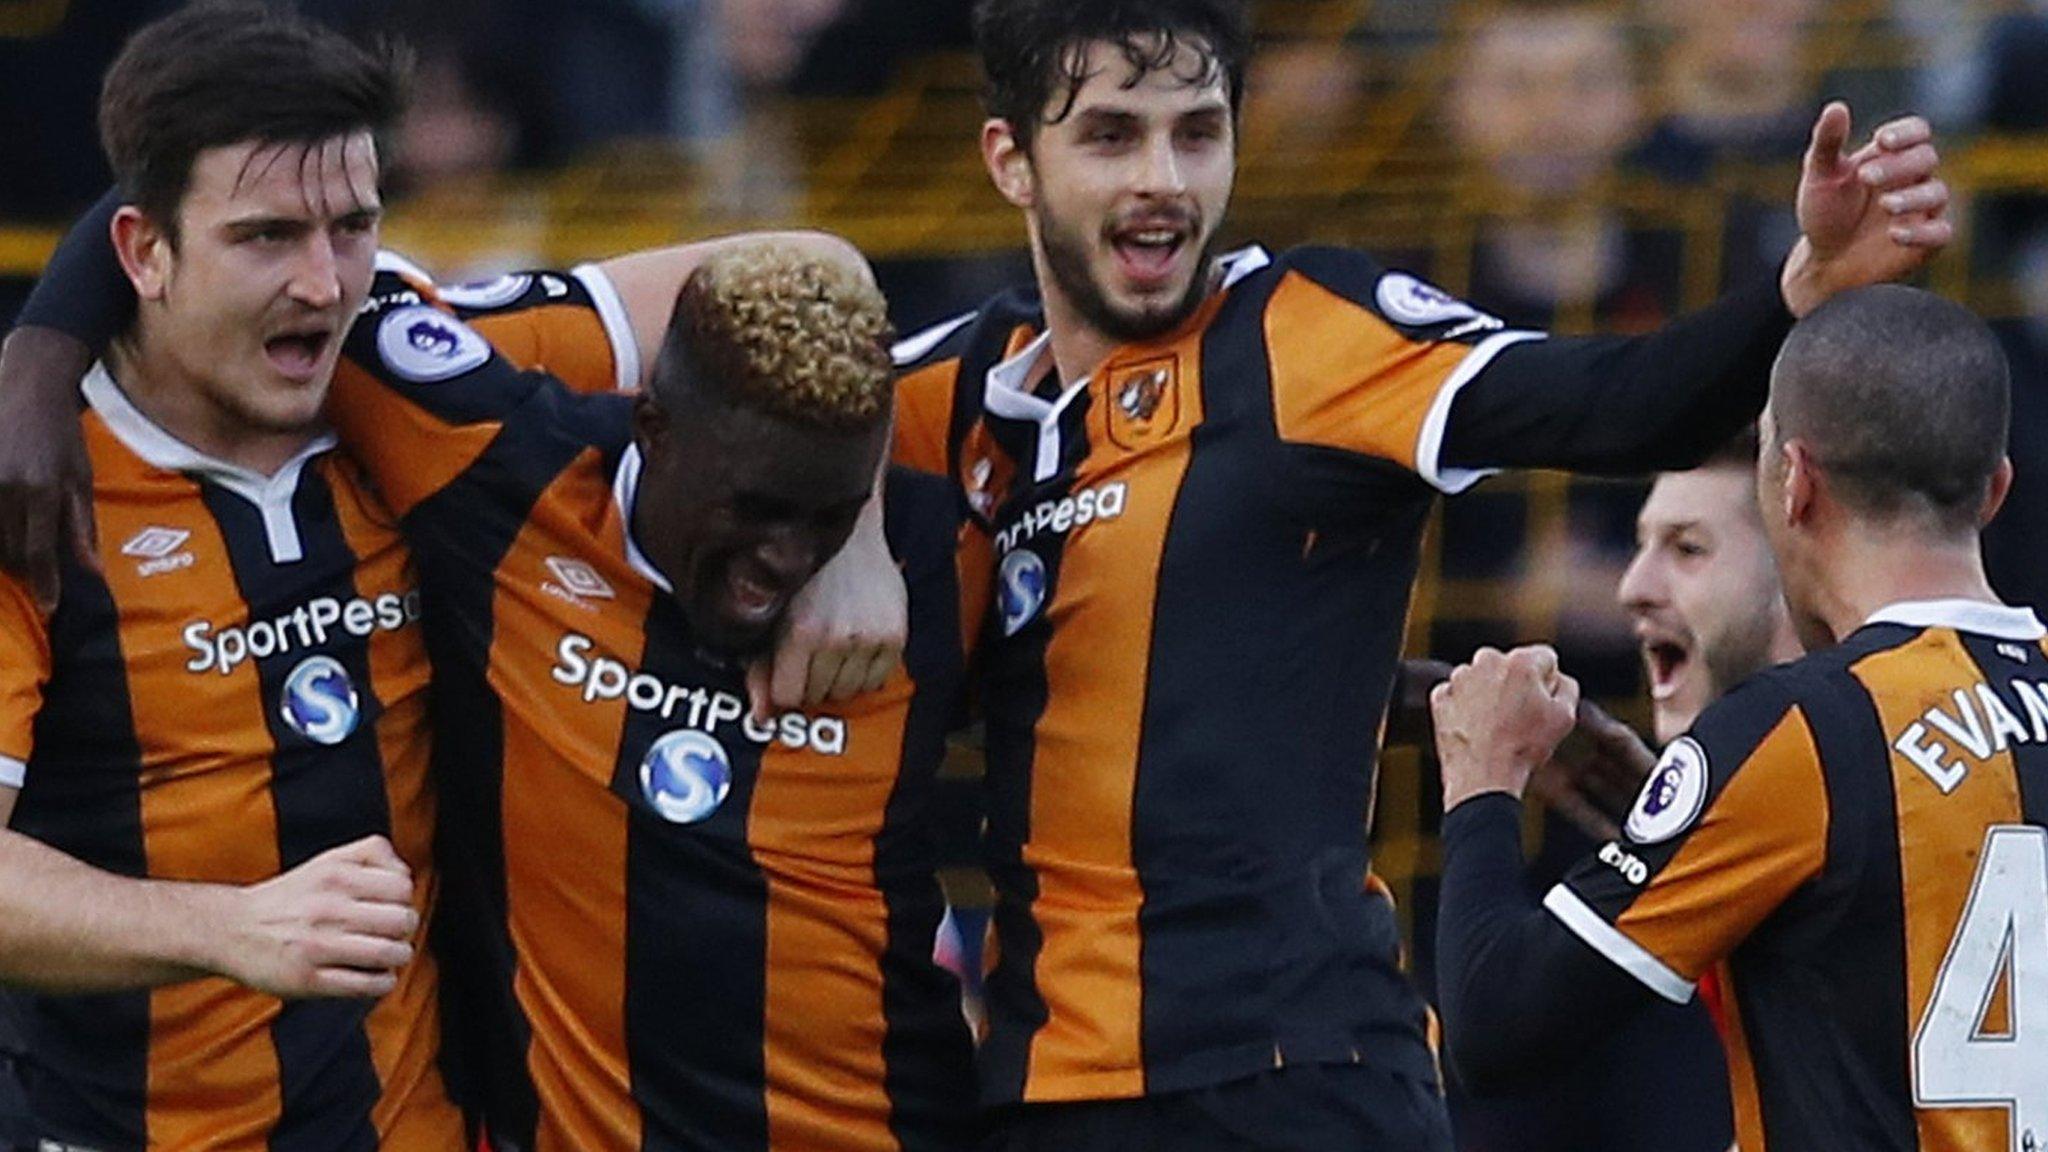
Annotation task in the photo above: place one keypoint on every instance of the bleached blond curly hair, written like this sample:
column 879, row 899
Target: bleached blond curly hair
column 790, row 332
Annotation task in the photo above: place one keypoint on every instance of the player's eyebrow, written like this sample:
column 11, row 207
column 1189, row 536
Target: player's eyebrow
column 1099, row 116
column 263, row 222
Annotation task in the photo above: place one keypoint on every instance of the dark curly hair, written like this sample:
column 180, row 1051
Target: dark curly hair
column 1033, row 51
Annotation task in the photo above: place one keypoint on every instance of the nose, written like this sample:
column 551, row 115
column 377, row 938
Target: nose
column 316, row 278
column 1160, row 173
column 1642, row 584
column 788, row 551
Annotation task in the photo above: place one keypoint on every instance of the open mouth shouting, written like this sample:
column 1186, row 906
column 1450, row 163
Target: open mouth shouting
column 296, row 353
column 1667, row 660
column 1149, row 250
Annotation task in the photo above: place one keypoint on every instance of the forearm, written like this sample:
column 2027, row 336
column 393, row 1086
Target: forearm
column 83, row 292
column 1521, row 996
column 1624, row 404
column 66, row 927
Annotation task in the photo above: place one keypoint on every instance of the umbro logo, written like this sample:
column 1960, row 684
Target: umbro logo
column 154, row 543
column 159, row 549
column 576, row 581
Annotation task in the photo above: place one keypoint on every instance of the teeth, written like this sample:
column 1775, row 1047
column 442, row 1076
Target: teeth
column 1154, row 239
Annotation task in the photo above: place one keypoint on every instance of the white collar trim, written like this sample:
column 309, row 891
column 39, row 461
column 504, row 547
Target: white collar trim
column 2000, row 621
column 1006, row 391
column 272, row 495
column 625, row 493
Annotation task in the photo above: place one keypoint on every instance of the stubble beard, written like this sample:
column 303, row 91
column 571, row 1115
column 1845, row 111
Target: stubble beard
column 1066, row 257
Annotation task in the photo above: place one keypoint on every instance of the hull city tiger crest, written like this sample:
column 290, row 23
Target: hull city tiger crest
column 1144, row 402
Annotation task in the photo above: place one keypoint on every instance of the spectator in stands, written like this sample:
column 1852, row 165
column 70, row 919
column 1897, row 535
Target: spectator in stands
column 1736, row 81
column 1544, row 105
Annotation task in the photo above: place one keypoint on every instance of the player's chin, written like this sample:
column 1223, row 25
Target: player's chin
column 1151, row 314
column 291, row 411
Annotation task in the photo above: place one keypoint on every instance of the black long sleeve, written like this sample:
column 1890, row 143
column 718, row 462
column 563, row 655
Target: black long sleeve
column 1624, row 404
column 83, row 292
column 1521, row 995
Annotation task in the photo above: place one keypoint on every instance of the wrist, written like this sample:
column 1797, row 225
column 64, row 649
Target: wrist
column 1464, row 782
column 1468, row 793
column 1803, row 282
column 204, row 925
column 43, row 362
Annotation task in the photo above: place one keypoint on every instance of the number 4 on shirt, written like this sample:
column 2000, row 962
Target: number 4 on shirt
column 2002, row 942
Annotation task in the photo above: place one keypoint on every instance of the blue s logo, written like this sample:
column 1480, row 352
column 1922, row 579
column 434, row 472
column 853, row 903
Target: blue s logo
column 686, row 775
column 320, row 701
column 1021, row 589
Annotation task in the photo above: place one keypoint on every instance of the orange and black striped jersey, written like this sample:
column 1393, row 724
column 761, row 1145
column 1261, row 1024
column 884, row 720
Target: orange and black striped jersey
column 242, row 688
column 1202, row 556
column 710, row 933
column 1856, row 846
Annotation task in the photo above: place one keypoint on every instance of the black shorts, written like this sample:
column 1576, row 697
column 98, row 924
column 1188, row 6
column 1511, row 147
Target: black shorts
column 1301, row 1108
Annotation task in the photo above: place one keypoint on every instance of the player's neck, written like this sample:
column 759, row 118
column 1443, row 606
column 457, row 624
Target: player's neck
column 1871, row 572
column 164, row 393
column 1077, row 346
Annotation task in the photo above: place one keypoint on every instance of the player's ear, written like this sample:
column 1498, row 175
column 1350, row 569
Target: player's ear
column 145, row 251
column 1009, row 164
column 2001, row 486
column 1802, row 483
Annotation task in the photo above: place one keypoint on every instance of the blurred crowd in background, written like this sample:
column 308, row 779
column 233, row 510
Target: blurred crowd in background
column 1574, row 164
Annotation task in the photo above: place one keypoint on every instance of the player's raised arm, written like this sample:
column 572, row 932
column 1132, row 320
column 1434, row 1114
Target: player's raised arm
column 1666, row 399
column 1518, row 992
column 1731, row 822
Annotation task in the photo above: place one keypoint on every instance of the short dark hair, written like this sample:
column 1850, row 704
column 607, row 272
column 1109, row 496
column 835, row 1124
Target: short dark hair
column 227, row 71
column 781, row 331
column 1032, row 50
column 1905, row 399
column 1738, row 451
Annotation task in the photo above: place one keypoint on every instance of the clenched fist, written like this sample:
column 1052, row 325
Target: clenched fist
column 340, row 924
column 1498, row 718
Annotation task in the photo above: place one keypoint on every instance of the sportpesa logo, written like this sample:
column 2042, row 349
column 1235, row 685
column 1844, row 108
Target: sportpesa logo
column 310, row 625
column 1063, row 515
column 319, row 701
column 707, row 710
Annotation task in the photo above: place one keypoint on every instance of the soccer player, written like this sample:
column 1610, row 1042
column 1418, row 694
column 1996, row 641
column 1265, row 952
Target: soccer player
column 1854, row 842
column 1702, row 588
column 213, row 751
column 1204, row 480
column 704, row 930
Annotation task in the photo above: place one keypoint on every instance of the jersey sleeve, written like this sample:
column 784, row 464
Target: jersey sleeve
column 1368, row 361
column 570, row 324
column 420, row 393
column 928, row 367
column 1732, row 821
column 24, row 670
